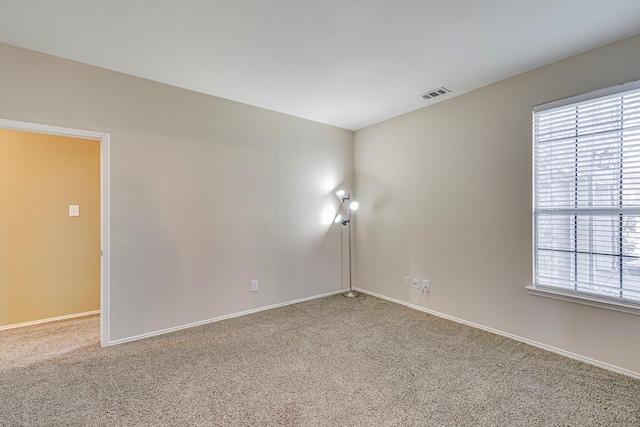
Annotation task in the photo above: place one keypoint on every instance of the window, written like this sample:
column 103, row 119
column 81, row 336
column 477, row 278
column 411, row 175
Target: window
column 586, row 186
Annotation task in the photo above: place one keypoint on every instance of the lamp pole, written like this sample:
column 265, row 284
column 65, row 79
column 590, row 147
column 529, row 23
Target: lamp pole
column 351, row 293
column 352, row 205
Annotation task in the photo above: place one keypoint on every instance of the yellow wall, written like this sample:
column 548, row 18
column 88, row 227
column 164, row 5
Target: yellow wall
column 49, row 261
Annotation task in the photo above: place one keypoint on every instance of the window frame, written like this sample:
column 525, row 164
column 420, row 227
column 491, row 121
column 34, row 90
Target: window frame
column 562, row 293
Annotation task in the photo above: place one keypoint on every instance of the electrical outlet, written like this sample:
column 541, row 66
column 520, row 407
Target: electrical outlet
column 254, row 285
column 426, row 285
column 407, row 280
column 416, row 283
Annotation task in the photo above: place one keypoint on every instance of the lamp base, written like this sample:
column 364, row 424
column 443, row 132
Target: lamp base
column 351, row 294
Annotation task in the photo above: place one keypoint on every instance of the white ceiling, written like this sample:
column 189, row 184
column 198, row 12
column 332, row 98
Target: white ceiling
column 348, row 63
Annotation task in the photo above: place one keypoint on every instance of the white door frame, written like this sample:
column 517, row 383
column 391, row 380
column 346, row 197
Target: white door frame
column 104, row 205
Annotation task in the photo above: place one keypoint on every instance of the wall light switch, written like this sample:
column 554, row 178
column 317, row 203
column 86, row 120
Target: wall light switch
column 74, row 210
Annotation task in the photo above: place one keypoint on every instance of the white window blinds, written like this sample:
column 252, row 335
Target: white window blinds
column 586, row 183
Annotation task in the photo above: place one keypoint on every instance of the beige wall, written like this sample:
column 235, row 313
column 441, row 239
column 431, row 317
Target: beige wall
column 206, row 194
column 445, row 195
column 49, row 261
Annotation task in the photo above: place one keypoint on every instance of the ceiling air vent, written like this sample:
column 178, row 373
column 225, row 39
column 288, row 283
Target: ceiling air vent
column 435, row 92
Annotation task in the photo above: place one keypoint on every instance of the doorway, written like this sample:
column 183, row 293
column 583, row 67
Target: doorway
column 57, row 246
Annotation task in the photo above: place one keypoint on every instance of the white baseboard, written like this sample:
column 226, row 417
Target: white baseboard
column 217, row 319
column 561, row 352
column 52, row 319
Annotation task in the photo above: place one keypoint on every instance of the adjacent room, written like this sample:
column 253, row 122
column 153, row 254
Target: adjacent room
column 179, row 244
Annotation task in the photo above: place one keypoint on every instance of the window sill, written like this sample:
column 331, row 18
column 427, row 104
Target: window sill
column 607, row 303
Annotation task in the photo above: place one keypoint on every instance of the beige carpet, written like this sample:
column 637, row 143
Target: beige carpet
column 328, row 362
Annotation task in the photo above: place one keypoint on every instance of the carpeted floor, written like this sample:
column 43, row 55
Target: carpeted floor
column 327, row 362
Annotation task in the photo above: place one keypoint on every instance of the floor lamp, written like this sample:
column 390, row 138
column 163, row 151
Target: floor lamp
column 351, row 206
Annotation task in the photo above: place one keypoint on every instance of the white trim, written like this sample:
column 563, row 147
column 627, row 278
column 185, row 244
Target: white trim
column 593, row 300
column 561, row 352
column 52, row 319
column 105, row 238
column 104, row 204
column 217, row 319
column 534, row 223
column 55, row 130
